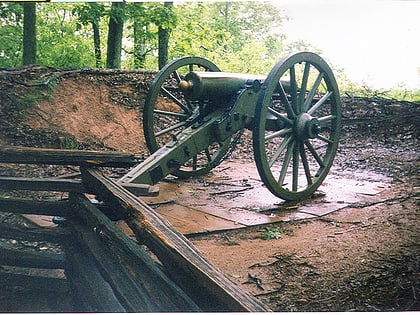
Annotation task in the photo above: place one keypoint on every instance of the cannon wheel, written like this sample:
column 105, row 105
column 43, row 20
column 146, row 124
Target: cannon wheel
column 293, row 155
column 167, row 112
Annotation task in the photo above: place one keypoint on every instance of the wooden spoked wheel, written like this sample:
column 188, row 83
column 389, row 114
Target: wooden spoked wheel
column 167, row 112
column 297, row 126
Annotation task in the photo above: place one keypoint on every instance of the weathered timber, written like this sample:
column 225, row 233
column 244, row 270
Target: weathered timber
column 41, row 184
column 31, row 259
column 34, row 234
column 140, row 283
column 29, row 206
column 58, row 285
column 208, row 286
column 26, row 155
column 141, row 189
column 93, row 292
column 65, row 185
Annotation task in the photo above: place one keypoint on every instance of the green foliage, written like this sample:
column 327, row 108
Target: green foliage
column 68, row 142
column 272, row 233
column 59, row 43
column 11, row 28
column 237, row 36
column 34, row 95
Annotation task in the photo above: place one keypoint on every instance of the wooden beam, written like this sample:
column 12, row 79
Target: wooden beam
column 41, row 184
column 33, row 234
column 65, row 185
column 34, row 282
column 138, row 281
column 207, row 285
column 31, row 259
column 26, row 155
column 92, row 291
column 29, row 206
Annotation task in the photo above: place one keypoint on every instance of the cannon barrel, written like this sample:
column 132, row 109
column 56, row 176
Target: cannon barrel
column 215, row 85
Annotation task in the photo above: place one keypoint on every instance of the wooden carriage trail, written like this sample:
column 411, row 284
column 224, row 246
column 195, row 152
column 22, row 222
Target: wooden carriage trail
column 106, row 270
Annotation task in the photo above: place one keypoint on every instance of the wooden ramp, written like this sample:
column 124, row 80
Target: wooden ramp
column 105, row 270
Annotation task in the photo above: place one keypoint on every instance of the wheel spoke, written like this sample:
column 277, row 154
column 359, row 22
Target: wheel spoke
column 318, row 104
column 293, row 89
column 169, row 129
column 286, row 162
column 324, row 139
column 295, row 174
column 280, row 116
column 279, row 151
column 177, row 76
column 283, row 97
column 302, row 91
column 166, row 113
column 312, row 93
column 279, row 133
column 176, row 100
column 326, row 118
column 314, row 154
column 305, row 164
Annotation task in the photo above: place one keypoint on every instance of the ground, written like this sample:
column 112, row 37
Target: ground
column 364, row 257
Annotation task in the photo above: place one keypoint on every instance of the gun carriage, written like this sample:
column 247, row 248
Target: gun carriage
column 194, row 115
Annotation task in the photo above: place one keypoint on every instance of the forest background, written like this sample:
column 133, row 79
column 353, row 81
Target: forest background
column 244, row 37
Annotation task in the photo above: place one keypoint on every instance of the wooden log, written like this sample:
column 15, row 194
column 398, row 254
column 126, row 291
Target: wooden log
column 26, row 155
column 31, row 259
column 65, row 185
column 41, row 184
column 207, row 285
column 140, row 284
column 33, row 234
column 86, row 282
column 29, row 206
column 50, row 284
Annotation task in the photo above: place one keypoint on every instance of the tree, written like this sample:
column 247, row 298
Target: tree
column 61, row 43
column 166, row 23
column 143, row 32
column 11, row 34
column 115, row 35
column 29, row 33
column 92, row 13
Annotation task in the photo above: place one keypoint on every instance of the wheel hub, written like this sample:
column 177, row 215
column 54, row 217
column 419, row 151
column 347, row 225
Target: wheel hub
column 306, row 126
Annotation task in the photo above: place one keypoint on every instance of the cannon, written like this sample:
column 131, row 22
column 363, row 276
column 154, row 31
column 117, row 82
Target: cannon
column 194, row 115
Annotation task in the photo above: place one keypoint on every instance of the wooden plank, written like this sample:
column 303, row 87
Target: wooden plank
column 31, row 259
column 41, row 184
column 26, row 155
column 64, row 185
column 207, row 285
column 50, row 284
column 30, row 206
column 35, row 234
column 138, row 290
column 92, row 291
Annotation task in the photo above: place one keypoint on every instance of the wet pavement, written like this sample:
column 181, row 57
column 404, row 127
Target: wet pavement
column 232, row 196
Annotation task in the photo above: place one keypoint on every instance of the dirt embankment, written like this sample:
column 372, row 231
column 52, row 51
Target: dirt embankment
column 364, row 257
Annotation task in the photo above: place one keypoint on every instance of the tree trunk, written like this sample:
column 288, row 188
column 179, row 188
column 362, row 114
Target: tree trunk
column 140, row 50
column 29, row 33
column 164, row 34
column 115, row 34
column 97, row 43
